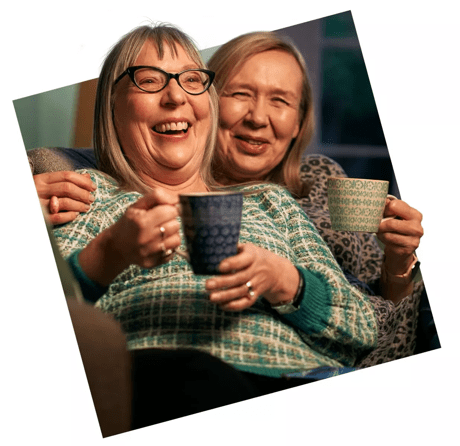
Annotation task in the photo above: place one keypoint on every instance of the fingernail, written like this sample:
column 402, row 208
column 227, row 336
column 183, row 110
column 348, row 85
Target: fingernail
column 210, row 284
column 93, row 185
column 91, row 198
column 87, row 207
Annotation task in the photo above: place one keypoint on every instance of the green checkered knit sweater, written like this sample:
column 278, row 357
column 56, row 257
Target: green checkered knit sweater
column 168, row 307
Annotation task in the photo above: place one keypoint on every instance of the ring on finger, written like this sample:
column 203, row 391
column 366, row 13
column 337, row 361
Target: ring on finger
column 165, row 252
column 250, row 290
column 162, row 232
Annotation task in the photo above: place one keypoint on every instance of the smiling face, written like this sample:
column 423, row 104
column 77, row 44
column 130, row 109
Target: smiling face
column 259, row 116
column 163, row 134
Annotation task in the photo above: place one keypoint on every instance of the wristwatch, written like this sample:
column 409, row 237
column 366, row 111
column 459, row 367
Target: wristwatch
column 292, row 305
column 410, row 275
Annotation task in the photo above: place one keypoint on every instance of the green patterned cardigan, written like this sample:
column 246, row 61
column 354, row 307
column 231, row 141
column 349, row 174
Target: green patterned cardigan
column 167, row 306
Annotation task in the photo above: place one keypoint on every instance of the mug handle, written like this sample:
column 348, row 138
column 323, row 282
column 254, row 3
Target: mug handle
column 391, row 197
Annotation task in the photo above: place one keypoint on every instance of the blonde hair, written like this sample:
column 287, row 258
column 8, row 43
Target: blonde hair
column 109, row 153
column 229, row 59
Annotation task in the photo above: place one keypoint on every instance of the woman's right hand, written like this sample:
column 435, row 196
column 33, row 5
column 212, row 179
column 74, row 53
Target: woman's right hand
column 135, row 239
column 64, row 194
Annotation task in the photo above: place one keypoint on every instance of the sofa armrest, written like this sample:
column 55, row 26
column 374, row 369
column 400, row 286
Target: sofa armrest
column 54, row 159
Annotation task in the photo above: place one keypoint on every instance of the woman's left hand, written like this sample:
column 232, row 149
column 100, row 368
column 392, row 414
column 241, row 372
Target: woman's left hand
column 401, row 236
column 251, row 273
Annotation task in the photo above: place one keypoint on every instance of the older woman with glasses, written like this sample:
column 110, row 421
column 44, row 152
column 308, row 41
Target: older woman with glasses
column 281, row 305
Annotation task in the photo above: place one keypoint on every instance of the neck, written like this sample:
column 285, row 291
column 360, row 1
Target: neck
column 193, row 184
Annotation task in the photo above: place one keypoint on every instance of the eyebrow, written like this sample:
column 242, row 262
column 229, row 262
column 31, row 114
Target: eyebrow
column 190, row 66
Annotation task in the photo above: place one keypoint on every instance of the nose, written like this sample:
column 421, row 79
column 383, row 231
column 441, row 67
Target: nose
column 257, row 115
column 173, row 94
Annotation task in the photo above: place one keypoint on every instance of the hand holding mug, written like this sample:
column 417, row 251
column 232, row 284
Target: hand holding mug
column 252, row 273
column 401, row 234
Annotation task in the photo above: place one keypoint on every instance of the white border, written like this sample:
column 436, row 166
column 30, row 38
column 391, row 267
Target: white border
column 410, row 53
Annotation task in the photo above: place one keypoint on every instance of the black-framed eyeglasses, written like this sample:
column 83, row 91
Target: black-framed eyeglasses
column 153, row 79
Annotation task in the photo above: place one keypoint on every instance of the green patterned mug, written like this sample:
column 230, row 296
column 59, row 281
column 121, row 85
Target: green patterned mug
column 356, row 204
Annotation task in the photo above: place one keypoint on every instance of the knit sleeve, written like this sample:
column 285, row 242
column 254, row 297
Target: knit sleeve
column 109, row 205
column 334, row 317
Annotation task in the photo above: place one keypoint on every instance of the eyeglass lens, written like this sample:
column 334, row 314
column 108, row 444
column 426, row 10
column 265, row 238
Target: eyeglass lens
column 152, row 80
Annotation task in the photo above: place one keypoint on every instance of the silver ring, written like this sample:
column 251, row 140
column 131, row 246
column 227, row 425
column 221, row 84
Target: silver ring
column 162, row 232
column 250, row 290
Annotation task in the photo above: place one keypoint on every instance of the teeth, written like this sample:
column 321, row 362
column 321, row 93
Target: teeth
column 171, row 126
column 253, row 142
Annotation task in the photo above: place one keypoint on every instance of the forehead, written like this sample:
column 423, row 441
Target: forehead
column 274, row 66
column 149, row 54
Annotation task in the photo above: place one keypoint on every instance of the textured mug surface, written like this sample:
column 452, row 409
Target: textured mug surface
column 356, row 204
column 211, row 224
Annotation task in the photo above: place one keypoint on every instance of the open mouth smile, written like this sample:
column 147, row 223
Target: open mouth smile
column 171, row 128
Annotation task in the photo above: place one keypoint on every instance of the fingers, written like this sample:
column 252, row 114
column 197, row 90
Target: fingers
column 400, row 236
column 66, row 204
column 244, row 258
column 156, row 197
column 238, row 288
column 155, row 243
column 236, row 298
column 62, row 217
column 139, row 236
column 65, row 184
column 82, row 180
column 403, row 210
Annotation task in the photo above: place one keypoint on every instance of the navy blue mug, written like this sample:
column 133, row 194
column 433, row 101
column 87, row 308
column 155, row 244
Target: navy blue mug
column 211, row 223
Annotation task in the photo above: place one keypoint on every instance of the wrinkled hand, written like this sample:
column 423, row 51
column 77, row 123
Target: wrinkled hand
column 64, row 194
column 138, row 235
column 274, row 277
column 401, row 236
column 135, row 239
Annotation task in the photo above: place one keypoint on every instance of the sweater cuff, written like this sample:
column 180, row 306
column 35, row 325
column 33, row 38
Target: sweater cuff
column 315, row 307
column 91, row 291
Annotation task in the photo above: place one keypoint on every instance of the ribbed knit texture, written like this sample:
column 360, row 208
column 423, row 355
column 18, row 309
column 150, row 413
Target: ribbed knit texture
column 168, row 307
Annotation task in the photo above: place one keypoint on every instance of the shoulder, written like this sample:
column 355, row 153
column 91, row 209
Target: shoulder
column 107, row 188
column 316, row 164
column 266, row 191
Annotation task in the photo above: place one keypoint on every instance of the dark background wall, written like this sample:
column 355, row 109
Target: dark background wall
column 348, row 124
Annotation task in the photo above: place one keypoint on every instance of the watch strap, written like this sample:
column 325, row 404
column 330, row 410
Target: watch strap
column 288, row 307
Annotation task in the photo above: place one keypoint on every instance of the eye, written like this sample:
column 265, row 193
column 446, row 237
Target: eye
column 152, row 78
column 280, row 100
column 241, row 94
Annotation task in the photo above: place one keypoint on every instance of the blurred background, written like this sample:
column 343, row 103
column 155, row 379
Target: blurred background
column 348, row 125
